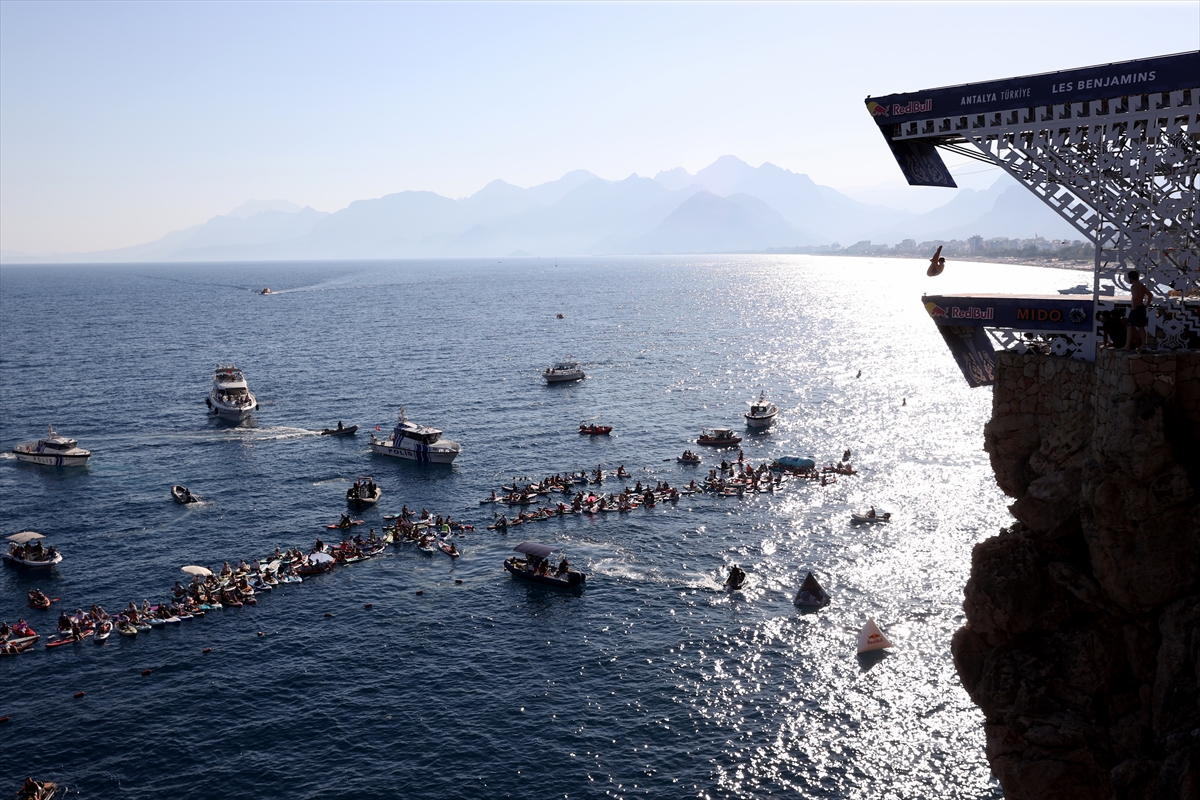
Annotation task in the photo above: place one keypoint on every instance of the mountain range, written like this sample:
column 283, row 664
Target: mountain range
column 729, row 206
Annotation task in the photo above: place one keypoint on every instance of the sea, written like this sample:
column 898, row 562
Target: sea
column 417, row 676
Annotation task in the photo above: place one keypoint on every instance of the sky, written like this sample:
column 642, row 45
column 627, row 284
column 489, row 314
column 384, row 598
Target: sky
column 122, row 121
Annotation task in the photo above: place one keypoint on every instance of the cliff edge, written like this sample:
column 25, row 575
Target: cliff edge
column 1082, row 642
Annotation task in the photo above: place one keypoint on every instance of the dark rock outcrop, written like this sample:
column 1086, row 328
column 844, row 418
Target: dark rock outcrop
column 1082, row 642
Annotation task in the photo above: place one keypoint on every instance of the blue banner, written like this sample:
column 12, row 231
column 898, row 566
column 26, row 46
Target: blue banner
column 1144, row 76
column 921, row 163
column 972, row 350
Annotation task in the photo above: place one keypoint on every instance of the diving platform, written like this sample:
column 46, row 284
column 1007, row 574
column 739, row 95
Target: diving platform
column 1113, row 149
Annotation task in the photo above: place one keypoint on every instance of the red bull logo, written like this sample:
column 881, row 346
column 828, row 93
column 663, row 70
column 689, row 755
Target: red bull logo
column 913, row 107
column 972, row 312
column 936, row 311
column 877, row 110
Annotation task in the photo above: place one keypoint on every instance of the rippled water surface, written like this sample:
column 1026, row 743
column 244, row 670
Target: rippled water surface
column 653, row 682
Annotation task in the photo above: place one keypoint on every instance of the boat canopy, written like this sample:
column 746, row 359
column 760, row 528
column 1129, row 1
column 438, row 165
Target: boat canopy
column 534, row 549
column 25, row 536
column 795, row 462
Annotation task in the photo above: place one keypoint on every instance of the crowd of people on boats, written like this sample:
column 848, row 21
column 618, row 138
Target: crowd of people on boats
column 228, row 587
column 730, row 478
column 236, row 399
column 235, row 586
column 428, row 532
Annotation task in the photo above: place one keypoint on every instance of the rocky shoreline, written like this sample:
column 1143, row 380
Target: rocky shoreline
column 1082, row 641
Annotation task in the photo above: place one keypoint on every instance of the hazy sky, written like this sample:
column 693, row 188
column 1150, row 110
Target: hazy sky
column 122, row 121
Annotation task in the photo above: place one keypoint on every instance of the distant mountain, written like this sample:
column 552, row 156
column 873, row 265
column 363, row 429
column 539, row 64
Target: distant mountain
column 251, row 207
column 1006, row 209
column 726, row 206
column 828, row 213
column 707, row 223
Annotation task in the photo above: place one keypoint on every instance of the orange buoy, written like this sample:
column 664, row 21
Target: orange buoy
column 77, row 694
column 3, row 719
column 145, row 672
column 207, row 650
column 328, row 615
column 368, row 605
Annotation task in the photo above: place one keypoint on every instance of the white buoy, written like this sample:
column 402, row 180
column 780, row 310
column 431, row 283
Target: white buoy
column 871, row 638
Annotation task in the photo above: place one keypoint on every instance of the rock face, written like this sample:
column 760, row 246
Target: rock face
column 1082, row 642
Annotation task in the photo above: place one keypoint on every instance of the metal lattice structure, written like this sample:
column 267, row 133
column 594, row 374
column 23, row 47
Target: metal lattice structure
column 1120, row 167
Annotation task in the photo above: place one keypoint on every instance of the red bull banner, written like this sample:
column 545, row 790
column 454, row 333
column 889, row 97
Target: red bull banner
column 1020, row 313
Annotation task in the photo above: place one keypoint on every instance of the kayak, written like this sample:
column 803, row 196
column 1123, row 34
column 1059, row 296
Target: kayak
column 337, row 525
column 877, row 519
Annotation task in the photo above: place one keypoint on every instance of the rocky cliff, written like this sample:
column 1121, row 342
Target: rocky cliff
column 1082, row 642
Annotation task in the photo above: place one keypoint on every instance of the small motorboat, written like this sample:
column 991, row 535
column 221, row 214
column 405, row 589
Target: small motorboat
column 811, row 594
column 718, row 437
column 762, row 412
column 591, row 429
column 736, row 579
column 340, row 430
column 364, row 492
column 53, row 451
column 871, row 518
column 688, row 457
column 266, row 290
column 535, row 567
column 182, row 495
column 564, row 371
column 27, row 551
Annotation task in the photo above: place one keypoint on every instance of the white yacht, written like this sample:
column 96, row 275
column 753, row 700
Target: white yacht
column 416, row 443
column 53, row 451
column 762, row 412
column 230, row 398
column 564, row 371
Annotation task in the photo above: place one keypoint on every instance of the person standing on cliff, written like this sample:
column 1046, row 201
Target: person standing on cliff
column 1138, row 315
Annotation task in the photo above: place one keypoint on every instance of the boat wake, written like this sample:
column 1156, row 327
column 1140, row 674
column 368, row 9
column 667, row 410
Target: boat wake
column 7, row 457
column 327, row 481
column 275, row 434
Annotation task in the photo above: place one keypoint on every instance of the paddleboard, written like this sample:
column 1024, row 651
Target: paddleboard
column 68, row 640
